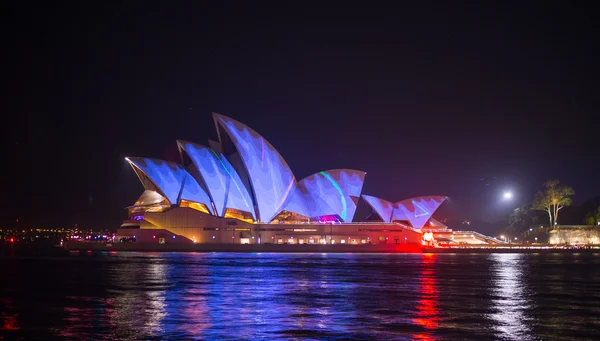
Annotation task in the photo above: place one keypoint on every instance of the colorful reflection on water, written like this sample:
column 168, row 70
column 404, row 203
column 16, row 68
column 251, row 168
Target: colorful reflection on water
column 427, row 313
column 8, row 317
column 219, row 296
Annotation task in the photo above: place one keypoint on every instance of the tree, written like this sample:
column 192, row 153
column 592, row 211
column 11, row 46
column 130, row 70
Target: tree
column 592, row 218
column 552, row 199
column 521, row 219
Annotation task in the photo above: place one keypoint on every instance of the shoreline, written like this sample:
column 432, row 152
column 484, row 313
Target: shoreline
column 307, row 248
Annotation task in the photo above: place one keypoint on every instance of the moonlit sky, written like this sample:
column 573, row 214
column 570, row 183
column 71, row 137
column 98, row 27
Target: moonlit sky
column 465, row 100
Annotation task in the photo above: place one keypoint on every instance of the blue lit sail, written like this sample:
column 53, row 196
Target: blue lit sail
column 171, row 179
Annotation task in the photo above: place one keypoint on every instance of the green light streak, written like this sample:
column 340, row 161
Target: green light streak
column 339, row 189
column 421, row 207
column 222, row 163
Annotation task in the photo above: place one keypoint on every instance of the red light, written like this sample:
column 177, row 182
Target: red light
column 427, row 309
column 12, row 240
column 153, row 236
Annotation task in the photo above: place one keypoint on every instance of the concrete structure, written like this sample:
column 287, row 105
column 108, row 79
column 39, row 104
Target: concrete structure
column 240, row 190
column 574, row 235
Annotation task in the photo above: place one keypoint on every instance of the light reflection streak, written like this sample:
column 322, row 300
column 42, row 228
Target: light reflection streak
column 138, row 304
column 223, row 296
column 8, row 322
column 427, row 310
column 188, row 305
column 156, row 311
column 84, row 314
column 510, row 300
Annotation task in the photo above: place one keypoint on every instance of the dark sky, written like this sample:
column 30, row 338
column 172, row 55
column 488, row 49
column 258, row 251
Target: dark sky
column 427, row 98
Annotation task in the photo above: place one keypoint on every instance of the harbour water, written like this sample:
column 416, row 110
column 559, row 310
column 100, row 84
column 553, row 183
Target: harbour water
column 270, row 296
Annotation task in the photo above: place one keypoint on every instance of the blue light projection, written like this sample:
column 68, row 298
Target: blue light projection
column 297, row 202
column 172, row 180
column 330, row 193
column 416, row 210
column 424, row 211
column 271, row 186
column 208, row 168
column 383, row 208
column 193, row 192
column 342, row 198
column 237, row 195
column 270, row 176
column 222, row 181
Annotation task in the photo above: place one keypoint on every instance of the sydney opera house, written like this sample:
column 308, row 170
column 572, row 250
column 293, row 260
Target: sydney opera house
column 240, row 190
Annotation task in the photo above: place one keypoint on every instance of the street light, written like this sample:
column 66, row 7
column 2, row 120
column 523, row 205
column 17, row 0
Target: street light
column 507, row 195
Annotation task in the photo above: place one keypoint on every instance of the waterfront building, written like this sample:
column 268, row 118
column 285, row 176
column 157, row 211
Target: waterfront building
column 239, row 189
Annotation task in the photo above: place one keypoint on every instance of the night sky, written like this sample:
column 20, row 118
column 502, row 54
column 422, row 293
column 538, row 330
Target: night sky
column 427, row 99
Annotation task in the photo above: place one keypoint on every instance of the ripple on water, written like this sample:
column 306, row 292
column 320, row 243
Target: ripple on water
column 138, row 296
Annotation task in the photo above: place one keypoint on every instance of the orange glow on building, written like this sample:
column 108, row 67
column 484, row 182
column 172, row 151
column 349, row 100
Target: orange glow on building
column 194, row 205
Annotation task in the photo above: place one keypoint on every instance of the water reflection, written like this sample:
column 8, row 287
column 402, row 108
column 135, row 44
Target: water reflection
column 510, row 302
column 188, row 306
column 277, row 296
column 155, row 308
column 215, row 296
column 8, row 318
column 427, row 310
column 129, row 305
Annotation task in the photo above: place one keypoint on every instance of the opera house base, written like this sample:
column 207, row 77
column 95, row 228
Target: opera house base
column 75, row 246
column 182, row 225
column 278, row 248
